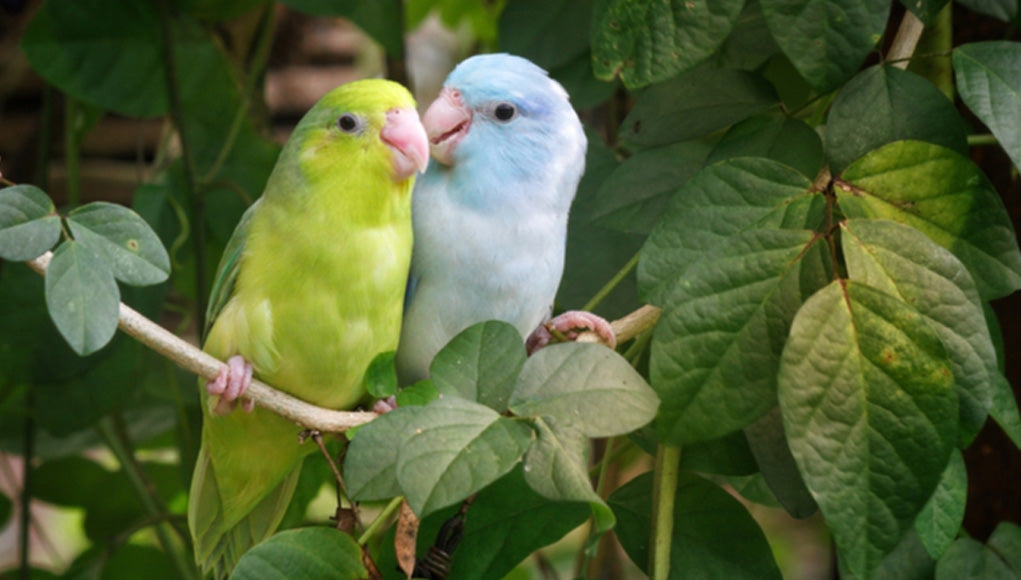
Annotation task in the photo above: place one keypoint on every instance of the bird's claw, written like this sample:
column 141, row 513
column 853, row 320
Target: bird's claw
column 384, row 406
column 230, row 385
column 573, row 325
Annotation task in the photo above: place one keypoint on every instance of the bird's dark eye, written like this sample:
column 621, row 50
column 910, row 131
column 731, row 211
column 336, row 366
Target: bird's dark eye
column 349, row 123
column 504, row 112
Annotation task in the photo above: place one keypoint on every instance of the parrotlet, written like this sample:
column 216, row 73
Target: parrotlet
column 490, row 214
column 310, row 289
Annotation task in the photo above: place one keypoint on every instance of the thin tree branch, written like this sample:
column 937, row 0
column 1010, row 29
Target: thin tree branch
column 904, row 43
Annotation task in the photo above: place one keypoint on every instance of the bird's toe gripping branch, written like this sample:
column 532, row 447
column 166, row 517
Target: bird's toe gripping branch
column 571, row 325
column 230, row 385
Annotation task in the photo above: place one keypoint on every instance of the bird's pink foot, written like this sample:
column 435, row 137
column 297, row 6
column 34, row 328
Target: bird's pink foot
column 230, row 385
column 384, row 406
column 572, row 325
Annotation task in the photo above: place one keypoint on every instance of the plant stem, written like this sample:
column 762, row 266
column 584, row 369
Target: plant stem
column 72, row 152
column 25, row 517
column 613, row 283
column 664, row 492
column 904, row 43
column 116, row 439
column 980, row 140
column 198, row 206
column 396, row 65
column 381, row 519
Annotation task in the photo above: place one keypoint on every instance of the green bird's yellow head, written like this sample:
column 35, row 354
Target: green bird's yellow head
column 360, row 129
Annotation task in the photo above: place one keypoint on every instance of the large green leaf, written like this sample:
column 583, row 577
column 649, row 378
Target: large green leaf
column 750, row 44
column 535, row 29
column 381, row 19
column 1006, row 541
column 370, row 463
column 1005, row 10
column 305, row 553
column 719, row 202
column 82, row 297
column 454, row 448
column 768, row 443
column 989, row 82
column 137, row 561
column 717, row 346
column 693, row 104
column 714, row 536
column 780, row 138
column 827, row 40
column 866, row 393
column 967, row 558
column 480, row 364
column 587, row 386
column 645, row 42
column 125, row 242
column 946, row 197
column 633, row 197
column 925, row 10
column 940, row 521
column 28, row 223
column 883, row 104
column 904, row 263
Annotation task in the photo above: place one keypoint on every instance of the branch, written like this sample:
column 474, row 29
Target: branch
column 308, row 416
column 194, row 360
column 903, row 45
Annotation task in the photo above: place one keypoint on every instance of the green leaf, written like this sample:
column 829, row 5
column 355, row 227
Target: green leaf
column 867, row 398
column 719, row 202
column 49, row 481
column 452, row 449
column 112, row 62
column 136, row 561
column 750, row 44
column 321, row 552
column 380, row 19
column 925, row 10
column 768, row 443
column 555, row 466
column 419, row 394
column 535, row 29
column 967, row 558
column 1006, row 541
column 989, row 82
column 1004, row 409
column 883, row 104
column 946, row 197
column 480, row 364
column 587, row 386
column 827, row 40
column 123, row 240
column 28, row 223
column 370, row 463
column 904, row 263
column 694, row 104
column 783, row 139
column 381, row 376
column 717, row 345
column 713, row 532
column 728, row 455
column 1005, row 10
column 940, row 520
column 646, row 42
column 908, row 561
column 82, row 297
column 585, row 90
column 634, row 196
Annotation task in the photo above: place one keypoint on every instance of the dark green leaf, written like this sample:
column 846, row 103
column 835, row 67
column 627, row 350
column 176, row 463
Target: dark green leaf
column 719, row 202
column 717, row 346
column 50, row 481
column 749, row 45
column 884, row 104
column 768, row 443
column 419, row 394
column 585, row 90
column 1006, row 541
column 647, row 42
column 1005, row 10
column 713, row 532
column 125, row 242
column 556, row 467
column 694, row 104
column 989, row 81
column 946, row 197
column 452, row 449
column 728, row 455
column 136, row 561
column 587, row 386
column 782, row 139
column 908, row 561
column 322, row 553
column 480, row 364
column 112, row 62
column 535, row 29
column 940, row 520
column 381, row 376
column 967, row 558
column 381, row 19
column 870, row 413
column 633, row 198
column 28, row 223
column 925, row 10
column 82, row 297
column 370, row 463
column 904, row 263
column 827, row 40
column 1004, row 409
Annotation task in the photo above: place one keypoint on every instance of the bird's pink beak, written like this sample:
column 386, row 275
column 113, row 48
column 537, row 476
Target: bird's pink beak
column 404, row 133
column 446, row 122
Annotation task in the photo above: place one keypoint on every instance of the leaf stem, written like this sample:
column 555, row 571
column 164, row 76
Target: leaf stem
column 664, row 492
column 613, row 283
column 72, row 151
column 982, row 140
column 116, row 439
column 380, row 520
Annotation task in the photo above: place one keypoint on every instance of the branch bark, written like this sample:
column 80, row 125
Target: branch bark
column 190, row 358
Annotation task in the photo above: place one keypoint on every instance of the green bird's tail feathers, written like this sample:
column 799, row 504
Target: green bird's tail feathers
column 220, row 544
